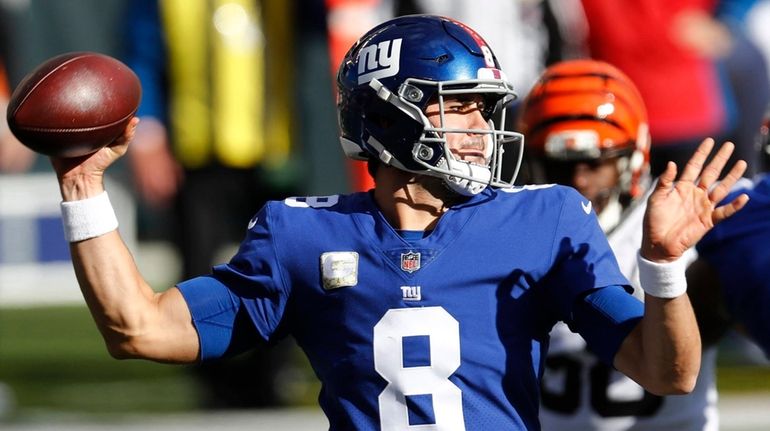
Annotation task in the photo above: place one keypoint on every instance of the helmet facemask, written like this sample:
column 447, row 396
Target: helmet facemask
column 608, row 169
column 431, row 153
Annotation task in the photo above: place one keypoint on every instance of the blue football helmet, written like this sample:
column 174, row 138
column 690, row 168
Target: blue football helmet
column 394, row 71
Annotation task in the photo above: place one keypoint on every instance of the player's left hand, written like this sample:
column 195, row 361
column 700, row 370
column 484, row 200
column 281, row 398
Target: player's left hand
column 680, row 212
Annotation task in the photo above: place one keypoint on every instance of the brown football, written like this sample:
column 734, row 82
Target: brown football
column 74, row 104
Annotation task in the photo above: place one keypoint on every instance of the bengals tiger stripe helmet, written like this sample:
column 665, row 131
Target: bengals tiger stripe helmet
column 587, row 110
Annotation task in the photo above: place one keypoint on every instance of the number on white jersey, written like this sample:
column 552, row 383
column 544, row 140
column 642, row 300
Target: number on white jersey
column 568, row 401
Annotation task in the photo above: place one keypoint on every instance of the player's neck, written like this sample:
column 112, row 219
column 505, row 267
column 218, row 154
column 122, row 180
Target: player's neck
column 408, row 204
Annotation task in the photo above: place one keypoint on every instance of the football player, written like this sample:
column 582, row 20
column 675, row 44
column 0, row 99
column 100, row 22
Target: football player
column 426, row 302
column 730, row 277
column 586, row 126
column 732, row 266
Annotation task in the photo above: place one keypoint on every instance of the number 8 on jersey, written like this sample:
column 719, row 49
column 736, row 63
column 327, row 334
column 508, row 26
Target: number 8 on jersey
column 443, row 333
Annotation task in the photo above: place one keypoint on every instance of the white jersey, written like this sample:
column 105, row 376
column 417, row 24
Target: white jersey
column 579, row 392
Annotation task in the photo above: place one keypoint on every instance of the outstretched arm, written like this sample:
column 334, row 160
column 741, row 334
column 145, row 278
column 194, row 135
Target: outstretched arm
column 135, row 321
column 663, row 352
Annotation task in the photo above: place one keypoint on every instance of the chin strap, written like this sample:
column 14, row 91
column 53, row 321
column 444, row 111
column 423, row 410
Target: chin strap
column 463, row 186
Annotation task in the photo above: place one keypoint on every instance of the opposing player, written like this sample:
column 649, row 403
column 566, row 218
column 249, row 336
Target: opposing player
column 428, row 300
column 586, row 126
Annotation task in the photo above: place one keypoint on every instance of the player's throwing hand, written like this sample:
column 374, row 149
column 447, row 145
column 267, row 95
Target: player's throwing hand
column 81, row 177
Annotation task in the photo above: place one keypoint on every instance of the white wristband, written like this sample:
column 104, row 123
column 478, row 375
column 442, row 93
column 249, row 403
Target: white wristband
column 88, row 218
column 662, row 280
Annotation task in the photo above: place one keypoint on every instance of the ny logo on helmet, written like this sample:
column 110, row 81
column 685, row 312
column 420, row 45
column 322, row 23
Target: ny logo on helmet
column 379, row 61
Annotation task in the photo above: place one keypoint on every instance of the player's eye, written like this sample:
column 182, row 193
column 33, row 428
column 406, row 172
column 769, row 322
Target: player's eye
column 463, row 106
column 454, row 107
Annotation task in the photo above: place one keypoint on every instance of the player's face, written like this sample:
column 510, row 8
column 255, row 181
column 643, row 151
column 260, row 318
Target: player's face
column 594, row 179
column 464, row 112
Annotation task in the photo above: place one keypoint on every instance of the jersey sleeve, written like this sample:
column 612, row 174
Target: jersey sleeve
column 591, row 294
column 604, row 318
column 242, row 302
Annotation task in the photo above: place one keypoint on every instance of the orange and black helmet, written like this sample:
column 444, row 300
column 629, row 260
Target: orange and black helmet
column 588, row 110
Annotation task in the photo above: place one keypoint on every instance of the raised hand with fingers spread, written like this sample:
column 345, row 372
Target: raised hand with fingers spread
column 680, row 212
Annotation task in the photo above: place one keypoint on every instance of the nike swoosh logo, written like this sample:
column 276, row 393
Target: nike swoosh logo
column 586, row 207
column 253, row 222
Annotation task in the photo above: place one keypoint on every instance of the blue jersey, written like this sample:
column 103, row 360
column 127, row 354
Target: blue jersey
column 450, row 329
column 739, row 250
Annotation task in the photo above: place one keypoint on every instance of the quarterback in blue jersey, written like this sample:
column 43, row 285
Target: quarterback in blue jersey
column 426, row 302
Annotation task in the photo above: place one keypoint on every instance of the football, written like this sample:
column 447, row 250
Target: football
column 74, row 104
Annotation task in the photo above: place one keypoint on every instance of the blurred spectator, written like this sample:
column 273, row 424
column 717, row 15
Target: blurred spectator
column 567, row 30
column 758, row 30
column 693, row 66
column 759, row 33
column 214, row 141
column 748, row 80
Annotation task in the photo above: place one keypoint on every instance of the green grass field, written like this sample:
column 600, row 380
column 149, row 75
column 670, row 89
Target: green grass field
column 54, row 360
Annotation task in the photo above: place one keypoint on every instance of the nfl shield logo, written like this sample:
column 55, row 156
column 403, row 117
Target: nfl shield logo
column 410, row 262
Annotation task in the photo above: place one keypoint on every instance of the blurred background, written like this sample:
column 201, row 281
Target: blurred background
column 238, row 108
